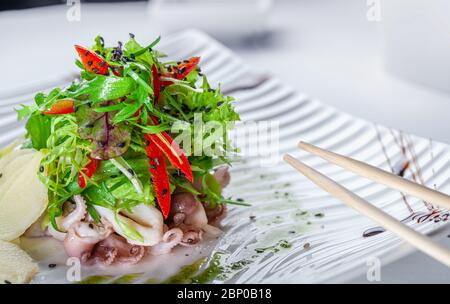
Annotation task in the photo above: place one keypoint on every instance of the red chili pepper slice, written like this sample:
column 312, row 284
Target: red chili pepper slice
column 172, row 151
column 162, row 144
column 63, row 106
column 160, row 177
column 88, row 171
column 156, row 83
column 91, row 61
column 182, row 70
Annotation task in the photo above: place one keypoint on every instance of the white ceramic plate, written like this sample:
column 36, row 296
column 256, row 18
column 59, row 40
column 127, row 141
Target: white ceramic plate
column 293, row 232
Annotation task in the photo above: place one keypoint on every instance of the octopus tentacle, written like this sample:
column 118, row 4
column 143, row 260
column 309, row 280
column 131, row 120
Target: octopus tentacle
column 82, row 237
column 76, row 215
column 197, row 218
column 116, row 249
column 222, row 176
column 212, row 230
column 215, row 213
column 73, row 216
column 191, row 235
column 171, row 238
column 36, row 231
column 60, row 236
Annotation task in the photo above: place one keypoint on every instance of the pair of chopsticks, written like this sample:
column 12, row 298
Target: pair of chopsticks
column 385, row 220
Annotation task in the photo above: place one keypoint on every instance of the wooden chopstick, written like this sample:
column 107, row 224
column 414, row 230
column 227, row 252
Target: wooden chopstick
column 413, row 237
column 380, row 176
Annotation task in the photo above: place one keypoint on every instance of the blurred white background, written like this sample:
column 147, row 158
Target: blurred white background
column 333, row 50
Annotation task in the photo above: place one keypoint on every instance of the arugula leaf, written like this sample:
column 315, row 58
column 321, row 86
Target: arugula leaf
column 139, row 80
column 40, row 99
column 93, row 213
column 236, row 202
column 79, row 64
column 54, row 209
column 38, row 128
column 212, row 185
column 25, row 111
column 135, row 50
column 104, row 88
column 153, row 129
column 100, row 195
column 99, row 43
column 114, row 107
column 127, row 111
column 148, row 47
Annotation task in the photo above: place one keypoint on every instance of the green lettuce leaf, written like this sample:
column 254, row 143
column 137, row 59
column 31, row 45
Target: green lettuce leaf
column 38, row 128
column 104, row 88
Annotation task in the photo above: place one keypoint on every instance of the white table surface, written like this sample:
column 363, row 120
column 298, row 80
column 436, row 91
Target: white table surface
column 325, row 48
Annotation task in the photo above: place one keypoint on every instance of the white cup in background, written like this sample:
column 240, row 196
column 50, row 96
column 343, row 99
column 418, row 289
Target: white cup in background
column 223, row 19
column 417, row 40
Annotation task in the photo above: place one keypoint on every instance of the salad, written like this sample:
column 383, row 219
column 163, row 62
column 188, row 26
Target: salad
column 118, row 184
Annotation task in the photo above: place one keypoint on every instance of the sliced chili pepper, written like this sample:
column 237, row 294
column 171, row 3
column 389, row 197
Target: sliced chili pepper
column 63, row 106
column 160, row 177
column 172, row 151
column 182, row 70
column 156, row 83
column 91, row 61
column 187, row 66
column 88, row 171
